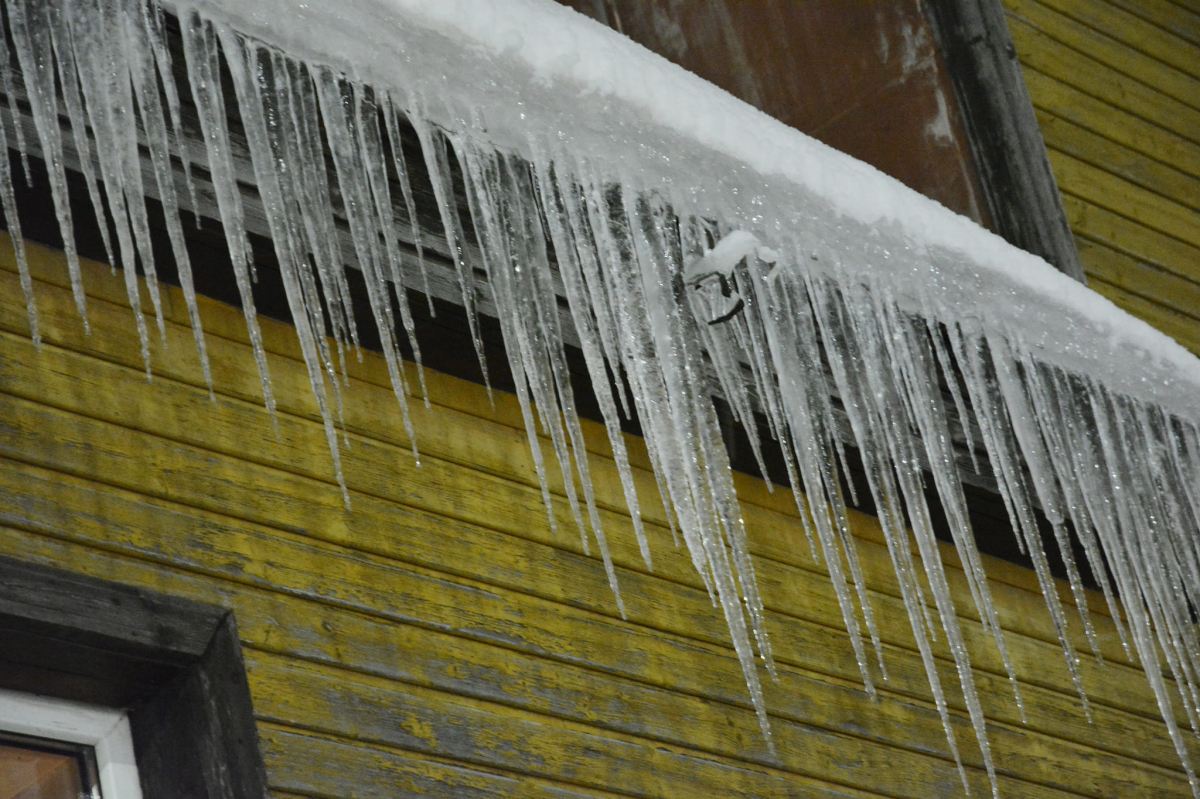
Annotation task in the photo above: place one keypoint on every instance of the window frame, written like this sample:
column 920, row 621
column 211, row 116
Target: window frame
column 174, row 665
column 105, row 730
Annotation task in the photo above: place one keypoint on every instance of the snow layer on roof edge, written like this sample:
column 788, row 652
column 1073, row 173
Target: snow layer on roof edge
column 527, row 61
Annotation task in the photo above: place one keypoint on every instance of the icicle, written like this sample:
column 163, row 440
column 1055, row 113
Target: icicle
column 155, row 35
column 146, row 93
column 8, row 202
column 437, row 162
column 366, row 120
column 31, row 38
column 396, row 143
column 8, row 197
column 274, row 94
column 68, row 78
column 242, row 59
column 201, row 55
column 6, row 82
column 1013, row 430
column 568, row 252
column 92, row 37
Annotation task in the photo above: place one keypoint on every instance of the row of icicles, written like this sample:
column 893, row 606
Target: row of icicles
column 785, row 332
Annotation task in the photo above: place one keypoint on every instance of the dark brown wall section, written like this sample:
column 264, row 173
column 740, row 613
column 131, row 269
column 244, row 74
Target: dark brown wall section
column 864, row 77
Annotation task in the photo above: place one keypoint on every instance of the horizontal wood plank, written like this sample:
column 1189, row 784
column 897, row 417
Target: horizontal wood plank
column 1138, row 33
column 1054, row 96
column 302, row 763
column 1038, row 50
column 1124, row 162
column 1135, row 240
column 1104, row 189
column 1182, row 328
column 1136, row 61
column 1166, row 14
column 1137, row 277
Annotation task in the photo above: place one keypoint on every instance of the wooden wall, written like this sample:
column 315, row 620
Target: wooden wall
column 440, row 639
column 1116, row 86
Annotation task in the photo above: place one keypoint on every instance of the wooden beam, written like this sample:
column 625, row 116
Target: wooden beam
column 1019, row 185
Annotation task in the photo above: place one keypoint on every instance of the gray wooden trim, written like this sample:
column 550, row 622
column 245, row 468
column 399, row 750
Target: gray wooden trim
column 1006, row 141
column 175, row 664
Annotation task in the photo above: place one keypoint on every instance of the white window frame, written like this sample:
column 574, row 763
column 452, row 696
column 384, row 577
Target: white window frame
column 104, row 729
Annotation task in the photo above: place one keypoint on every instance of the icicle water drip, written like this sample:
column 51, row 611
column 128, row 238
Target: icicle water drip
column 820, row 331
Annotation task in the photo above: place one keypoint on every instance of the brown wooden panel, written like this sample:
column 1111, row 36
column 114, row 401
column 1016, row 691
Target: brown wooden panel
column 863, row 77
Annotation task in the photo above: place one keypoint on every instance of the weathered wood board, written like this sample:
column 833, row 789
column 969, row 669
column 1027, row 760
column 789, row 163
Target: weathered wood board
column 1116, row 85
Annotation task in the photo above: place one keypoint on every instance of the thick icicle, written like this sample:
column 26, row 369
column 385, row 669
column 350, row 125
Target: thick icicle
column 8, row 202
column 243, row 61
column 204, row 75
column 437, row 162
column 30, row 30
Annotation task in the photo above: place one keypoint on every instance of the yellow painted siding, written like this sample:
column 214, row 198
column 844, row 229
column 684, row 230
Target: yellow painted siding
column 440, row 638
column 1116, row 87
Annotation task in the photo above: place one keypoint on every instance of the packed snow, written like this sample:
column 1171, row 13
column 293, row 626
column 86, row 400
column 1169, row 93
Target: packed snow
column 690, row 236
